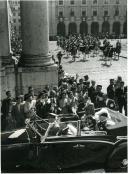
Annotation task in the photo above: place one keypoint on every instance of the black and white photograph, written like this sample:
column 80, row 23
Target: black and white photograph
column 63, row 86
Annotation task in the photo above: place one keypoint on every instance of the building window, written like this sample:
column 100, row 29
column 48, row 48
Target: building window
column 14, row 20
column 83, row 1
column 72, row 13
column 19, row 20
column 83, row 13
column 72, row 2
column 94, row 1
column 105, row 13
column 105, row 1
column 117, row 12
column 94, row 13
column 117, row 2
column 60, row 14
column 60, row 2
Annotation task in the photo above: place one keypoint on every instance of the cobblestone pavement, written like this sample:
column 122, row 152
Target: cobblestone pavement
column 93, row 66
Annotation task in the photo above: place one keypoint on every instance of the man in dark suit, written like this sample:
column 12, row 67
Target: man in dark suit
column 99, row 102
column 120, row 97
column 6, row 110
column 91, row 91
column 111, row 90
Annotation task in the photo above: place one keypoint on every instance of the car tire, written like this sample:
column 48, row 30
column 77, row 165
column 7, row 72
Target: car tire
column 117, row 161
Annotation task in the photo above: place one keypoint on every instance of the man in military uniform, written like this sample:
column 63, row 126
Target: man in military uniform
column 118, row 48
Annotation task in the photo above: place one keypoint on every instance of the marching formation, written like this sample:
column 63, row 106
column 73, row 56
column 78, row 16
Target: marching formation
column 77, row 46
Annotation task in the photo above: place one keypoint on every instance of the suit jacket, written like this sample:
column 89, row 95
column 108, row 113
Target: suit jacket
column 120, row 95
column 110, row 92
column 18, row 115
column 91, row 94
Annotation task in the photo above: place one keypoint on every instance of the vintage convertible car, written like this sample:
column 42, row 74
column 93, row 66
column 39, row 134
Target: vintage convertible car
column 47, row 148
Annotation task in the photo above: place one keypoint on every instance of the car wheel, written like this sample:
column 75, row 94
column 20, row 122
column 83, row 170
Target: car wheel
column 117, row 161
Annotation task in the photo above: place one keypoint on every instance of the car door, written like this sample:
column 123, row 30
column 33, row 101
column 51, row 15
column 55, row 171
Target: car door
column 75, row 151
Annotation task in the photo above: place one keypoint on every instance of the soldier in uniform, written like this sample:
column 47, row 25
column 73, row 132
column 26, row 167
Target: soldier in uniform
column 118, row 48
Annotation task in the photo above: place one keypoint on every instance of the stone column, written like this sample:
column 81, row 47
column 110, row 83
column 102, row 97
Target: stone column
column 35, row 33
column 4, row 33
column 36, row 67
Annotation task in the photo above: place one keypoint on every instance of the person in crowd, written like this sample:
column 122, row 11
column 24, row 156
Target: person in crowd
column 99, row 97
column 81, row 84
column 31, row 92
column 120, row 96
column 72, row 103
column 86, row 79
column 88, row 123
column 91, row 91
column 18, row 113
column 29, row 106
column 74, row 91
column 63, row 103
column 47, row 88
column 59, row 56
column 111, row 90
column 118, row 81
column 53, row 101
column 47, row 105
column 6, row 111
column 89, row 106
column 40, row 102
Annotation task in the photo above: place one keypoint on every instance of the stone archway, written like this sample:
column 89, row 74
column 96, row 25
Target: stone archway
column 125, row 28
column 72, row 28
column 105, row 27
column 83, row 28
column 116, row 28
column 95, row 28
column 61, row 29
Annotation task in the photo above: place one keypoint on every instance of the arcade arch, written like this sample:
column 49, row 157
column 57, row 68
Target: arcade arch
column 72, row 28
column 95, row 28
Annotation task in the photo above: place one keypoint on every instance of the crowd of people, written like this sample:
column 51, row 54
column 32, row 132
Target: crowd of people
column 73, row 95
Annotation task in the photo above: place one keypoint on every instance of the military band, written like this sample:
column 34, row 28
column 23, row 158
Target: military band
column 77, row 45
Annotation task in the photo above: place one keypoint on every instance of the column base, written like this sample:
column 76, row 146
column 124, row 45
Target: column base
column 37, row 77
column 35, row 60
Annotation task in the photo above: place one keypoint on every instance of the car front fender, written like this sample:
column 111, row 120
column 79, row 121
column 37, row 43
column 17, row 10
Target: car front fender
column 117, row 156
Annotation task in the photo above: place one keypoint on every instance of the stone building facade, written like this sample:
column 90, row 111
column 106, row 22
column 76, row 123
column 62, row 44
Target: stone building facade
column 87, row 16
